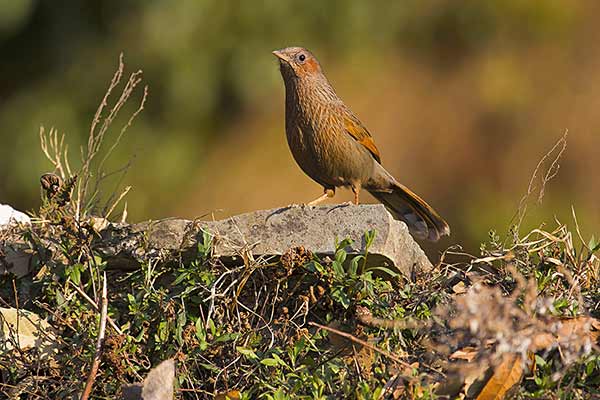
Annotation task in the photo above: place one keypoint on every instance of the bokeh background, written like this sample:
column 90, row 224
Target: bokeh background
column 463, row 99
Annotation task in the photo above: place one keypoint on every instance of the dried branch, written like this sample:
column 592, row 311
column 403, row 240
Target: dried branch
column 87, row 195
column 365, row 317
column 558, row 148
column 362, row 343
column 96, row 363
column 87, row 298
column 56, row 151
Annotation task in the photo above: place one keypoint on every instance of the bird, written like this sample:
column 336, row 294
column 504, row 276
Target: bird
column 334, row 148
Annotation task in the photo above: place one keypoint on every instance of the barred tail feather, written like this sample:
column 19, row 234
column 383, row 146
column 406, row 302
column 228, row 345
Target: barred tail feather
column 422, row 220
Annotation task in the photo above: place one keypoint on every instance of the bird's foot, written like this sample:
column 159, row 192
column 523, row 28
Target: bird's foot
column 328, row 193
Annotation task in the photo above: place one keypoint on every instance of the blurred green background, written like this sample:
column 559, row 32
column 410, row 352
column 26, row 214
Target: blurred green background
column 462, row 97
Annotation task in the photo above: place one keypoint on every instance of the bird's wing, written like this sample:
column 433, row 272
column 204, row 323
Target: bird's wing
column 356, row 129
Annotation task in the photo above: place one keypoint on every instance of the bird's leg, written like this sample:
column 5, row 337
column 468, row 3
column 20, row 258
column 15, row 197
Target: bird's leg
column 327, row 194
column 356, row 191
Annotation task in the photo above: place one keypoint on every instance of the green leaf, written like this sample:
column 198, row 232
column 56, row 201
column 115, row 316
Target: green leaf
column 279, row 360
column 210, row 367
column 594, row 245
column 76, row 276
column 205, row 246
column 181, row 278
column 200, row 332
column 269, row 362
column 341, row 297
column 211, row 325
column 162, row 333
column 388, row 271
column 560, row 304
column 589, row 367
column 227, row 337
column 126, row 326
column 60, row 300
column 181, row 321
column 340, row 256
column 279, row 395
column 75, row 273
column 353, row 271
column 182, row 318
column 294, row 351
column 98, row 261
column 299, row 346
column 369, row 238
column 539, row 361
column 378, row 393
column 207, row 278
column 343, row 244
column 249, row 353
column 338, row 269
column 314, row 266
column 140, row 336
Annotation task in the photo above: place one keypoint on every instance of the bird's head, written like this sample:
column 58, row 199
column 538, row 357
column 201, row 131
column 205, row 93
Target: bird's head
column 297, row 62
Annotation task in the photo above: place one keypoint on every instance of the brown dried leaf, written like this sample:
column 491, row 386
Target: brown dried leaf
column 459, row 288
column 231, row 395
column 467, row 353
column 364, row 357
column 506, row 376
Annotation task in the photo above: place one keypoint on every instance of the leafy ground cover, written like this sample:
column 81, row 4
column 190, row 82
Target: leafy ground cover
column 316, row 328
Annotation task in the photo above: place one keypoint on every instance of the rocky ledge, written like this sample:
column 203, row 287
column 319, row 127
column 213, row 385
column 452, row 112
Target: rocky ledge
column 266, row 234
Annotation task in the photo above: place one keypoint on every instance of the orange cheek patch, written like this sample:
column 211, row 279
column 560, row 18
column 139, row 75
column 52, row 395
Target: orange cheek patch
column 311, row 65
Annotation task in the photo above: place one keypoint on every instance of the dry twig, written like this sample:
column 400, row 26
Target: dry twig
column 558, row 148
column 96, row 363
column 362, row 343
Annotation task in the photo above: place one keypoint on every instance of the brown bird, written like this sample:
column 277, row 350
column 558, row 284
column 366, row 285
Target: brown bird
column 334, row 148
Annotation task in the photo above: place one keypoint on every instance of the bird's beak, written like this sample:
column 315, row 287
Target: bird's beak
column 279, row 54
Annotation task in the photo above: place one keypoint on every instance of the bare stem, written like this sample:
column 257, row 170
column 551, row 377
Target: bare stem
column 96, row 363
column 362, row 343
column 87, row 298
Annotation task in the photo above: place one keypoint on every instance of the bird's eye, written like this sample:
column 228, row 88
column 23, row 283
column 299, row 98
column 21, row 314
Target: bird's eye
column 301, row 57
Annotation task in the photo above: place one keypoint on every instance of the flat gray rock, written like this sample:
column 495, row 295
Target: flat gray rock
column 268, row 234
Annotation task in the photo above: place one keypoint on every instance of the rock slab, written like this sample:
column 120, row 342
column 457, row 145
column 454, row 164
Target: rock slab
column 268, row 234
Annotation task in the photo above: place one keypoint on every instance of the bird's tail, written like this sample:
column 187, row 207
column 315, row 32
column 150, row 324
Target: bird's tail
column 422, row 220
